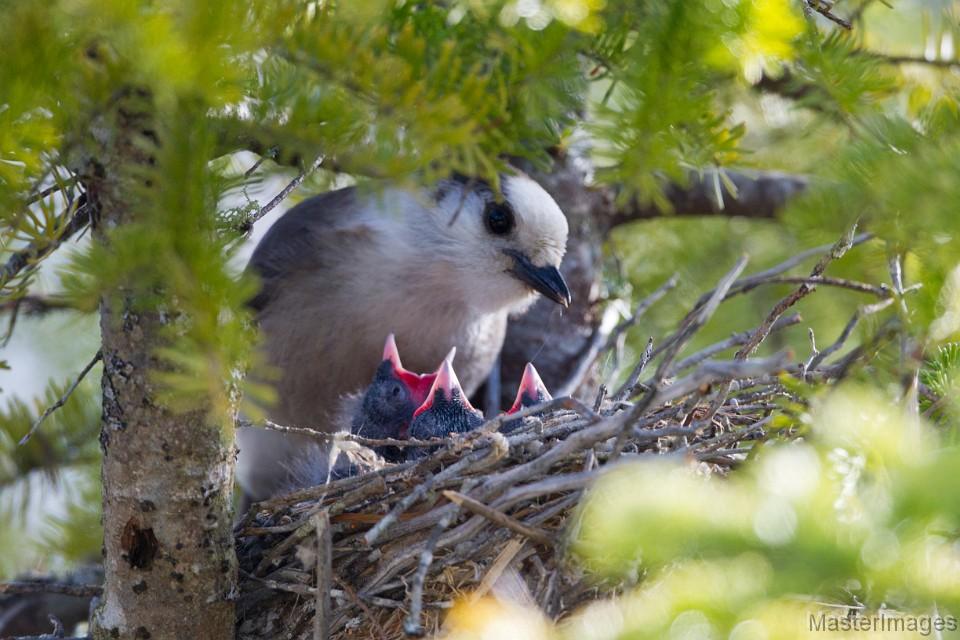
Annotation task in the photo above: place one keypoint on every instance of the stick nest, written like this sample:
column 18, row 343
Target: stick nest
column 384, row 554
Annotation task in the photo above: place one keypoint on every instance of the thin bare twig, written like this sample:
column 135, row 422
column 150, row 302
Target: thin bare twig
column 602, row 342
column 628, row 387
column 248, row 223
column 836, row 252
column 324, row 571
column 820, row 356
column 698, row 317
column 735, row 340
column 825, row 8
column 62, row 399
column 412, row 626
column 755, row 279
column 497, row 516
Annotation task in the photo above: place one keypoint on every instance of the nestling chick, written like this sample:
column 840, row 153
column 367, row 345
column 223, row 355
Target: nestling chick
column 387, row 405
column 531, row 392
column 446, row 409
column 440, row 268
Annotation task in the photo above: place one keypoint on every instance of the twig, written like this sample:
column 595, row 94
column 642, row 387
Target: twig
column 735, row 340
column 274, row 555
column 836, row 252
column 355, row 597
column 498, row 517
column 33, row 305
column 62, row 399
column 819, row 357
column 753, row 280
column 500, row 564
column 247, row 224
column 324, row 571
column 564, row 402
column 419, row 492
column 690, row 325
column 23, row 587
column 412, row 625
column 289, row 587
column 698, row 317
column 342, row 436
column 628, row 387
column 881, row 291
column 52, row 189
column 601, row 343
column 642, row 307
column 930, row 62
column 712, row 372
column 825, row 8
column 598, row 401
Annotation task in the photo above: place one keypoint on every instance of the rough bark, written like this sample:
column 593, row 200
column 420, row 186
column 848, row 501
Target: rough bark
column 169, row 561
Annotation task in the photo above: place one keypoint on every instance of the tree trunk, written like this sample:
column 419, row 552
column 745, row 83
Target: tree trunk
column 169, row 561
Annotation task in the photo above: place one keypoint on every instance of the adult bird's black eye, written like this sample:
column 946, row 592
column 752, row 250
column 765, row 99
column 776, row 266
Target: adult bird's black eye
column 498, row 217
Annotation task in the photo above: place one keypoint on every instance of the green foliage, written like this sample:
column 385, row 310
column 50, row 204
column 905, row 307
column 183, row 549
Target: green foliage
column 862, row 511
column 49, row 486
column 941, row 375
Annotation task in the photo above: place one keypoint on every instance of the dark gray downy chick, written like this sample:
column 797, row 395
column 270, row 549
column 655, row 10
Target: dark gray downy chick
column 383, row 411
column 446, row 410
column 530, row 393
column 439, row 267
column 386, row 407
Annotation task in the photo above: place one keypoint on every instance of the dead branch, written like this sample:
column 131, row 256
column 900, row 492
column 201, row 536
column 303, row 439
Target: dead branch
column 62, row 400
column 825, row 9
column 23, row 587
column 761, row 195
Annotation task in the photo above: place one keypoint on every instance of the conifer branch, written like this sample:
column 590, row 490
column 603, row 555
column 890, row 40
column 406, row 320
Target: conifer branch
column 247, row 224
column 930, row 62
column 760, row 195
column 825, row 8
column 36, row 251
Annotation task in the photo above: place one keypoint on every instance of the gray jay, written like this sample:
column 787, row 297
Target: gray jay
column 438, row 268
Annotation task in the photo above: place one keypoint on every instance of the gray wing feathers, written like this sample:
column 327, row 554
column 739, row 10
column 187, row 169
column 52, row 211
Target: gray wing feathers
column 303, row 239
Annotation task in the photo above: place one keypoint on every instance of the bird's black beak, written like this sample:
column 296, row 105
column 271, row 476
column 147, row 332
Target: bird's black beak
column 546, row 280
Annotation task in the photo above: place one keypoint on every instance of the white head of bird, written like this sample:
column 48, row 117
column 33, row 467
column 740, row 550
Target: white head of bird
column 504, row 248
